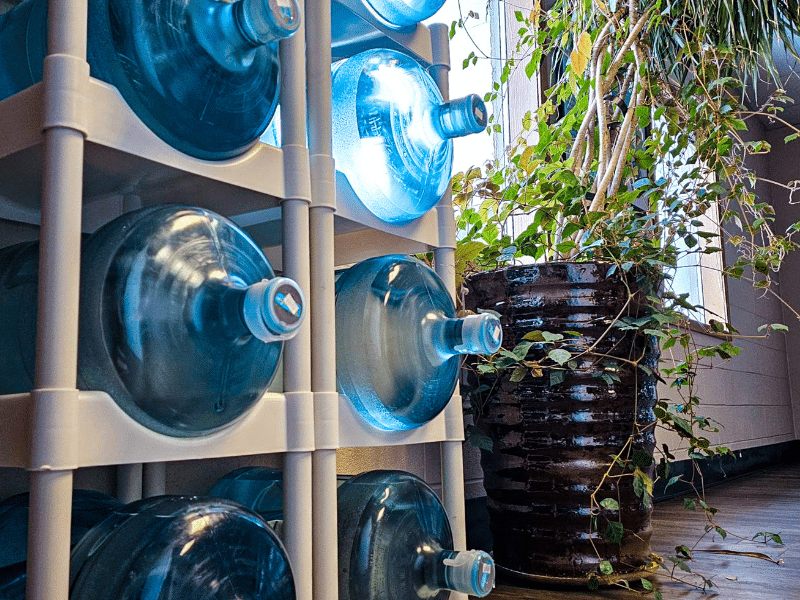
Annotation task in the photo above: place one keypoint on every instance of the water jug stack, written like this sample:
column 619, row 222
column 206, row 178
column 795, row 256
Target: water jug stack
column 182, row 318
column 182, row 321
column 202, row 75
column 399, row 342
column 395, row 541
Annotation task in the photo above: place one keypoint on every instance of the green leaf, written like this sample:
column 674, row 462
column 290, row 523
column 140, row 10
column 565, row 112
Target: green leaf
column 556, row 376
column 518, row 374
column 642, row 458
column 614, row 532
column 647, row 585
column 657, row 595
column 534, row 336
column 766, row 534
column 530, row 69
column 689, row 504
column 552, row 337
column 681, row 564
column 683, row 425
column 722, row 533
column 673, row 480
column 609, row 504
column 521, row 350
column 559, row 355
column 643, row 486
column 606, row 568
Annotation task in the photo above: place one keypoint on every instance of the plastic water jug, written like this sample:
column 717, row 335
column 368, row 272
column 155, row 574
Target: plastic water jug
column 395, row 541
column 403, row 13
column 88, row 509
column 258, row 488
column 392, row 132
column 201, row 74
column 399, row 343
column 182, row 319
column 181, row 548
column 394, row 14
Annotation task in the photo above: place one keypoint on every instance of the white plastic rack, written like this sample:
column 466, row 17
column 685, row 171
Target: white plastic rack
column 70, row 149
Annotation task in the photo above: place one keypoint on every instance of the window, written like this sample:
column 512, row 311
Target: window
column 698, row 275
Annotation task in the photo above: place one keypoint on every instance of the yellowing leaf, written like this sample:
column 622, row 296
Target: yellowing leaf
column 536, row 11
column 579, row 57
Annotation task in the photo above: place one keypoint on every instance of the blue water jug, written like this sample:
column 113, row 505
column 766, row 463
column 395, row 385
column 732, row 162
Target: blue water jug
column 182, row 319
column 392, row 132
column 88, row 509
column 258, row 488
column 394, row 14
column 395, row 541
column 181, row 548
column 399, row 343
column 403, row 13
column 201, row 74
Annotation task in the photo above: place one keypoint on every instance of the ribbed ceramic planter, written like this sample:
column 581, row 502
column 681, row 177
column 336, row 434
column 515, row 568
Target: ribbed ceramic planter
column 553, row 443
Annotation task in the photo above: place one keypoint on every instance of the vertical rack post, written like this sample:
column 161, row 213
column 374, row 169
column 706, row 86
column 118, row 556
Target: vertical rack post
column 444, row 261
column 129, row 482
column 297, row 351
column 323, row 307
column 54, row 397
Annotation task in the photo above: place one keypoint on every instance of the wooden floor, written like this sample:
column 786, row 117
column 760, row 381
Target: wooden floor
column 769, row 500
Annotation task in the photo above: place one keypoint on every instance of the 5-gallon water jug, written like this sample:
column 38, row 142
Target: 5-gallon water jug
column 201, row 74
column 394, row 14
column 181, row 548
column 399, row 343
column 88, row 509
column 182, row 319
column 395, row 541
column 258, row 488
column 392, row 132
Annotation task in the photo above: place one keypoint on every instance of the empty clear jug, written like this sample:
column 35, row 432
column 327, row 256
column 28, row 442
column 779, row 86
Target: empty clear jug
column 201, row 74
column 181, row 548
column 398, row 341
column 182, row 319
column 392, row 133
column 395, row 541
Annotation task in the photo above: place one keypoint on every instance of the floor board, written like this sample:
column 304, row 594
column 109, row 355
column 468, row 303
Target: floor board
column 768, row 500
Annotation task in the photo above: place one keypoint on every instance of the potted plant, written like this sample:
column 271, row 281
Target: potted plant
column 640, row 162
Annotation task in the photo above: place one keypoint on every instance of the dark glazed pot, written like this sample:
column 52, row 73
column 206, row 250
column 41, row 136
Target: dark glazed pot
column 553, row 443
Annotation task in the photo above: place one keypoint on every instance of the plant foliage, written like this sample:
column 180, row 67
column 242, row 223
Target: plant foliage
column 639, row 155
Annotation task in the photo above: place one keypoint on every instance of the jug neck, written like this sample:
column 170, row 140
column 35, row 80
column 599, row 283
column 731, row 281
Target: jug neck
column 473, row 334
column 271, row 310
column 231, row 32
column 470, row 572
column 460, row 117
